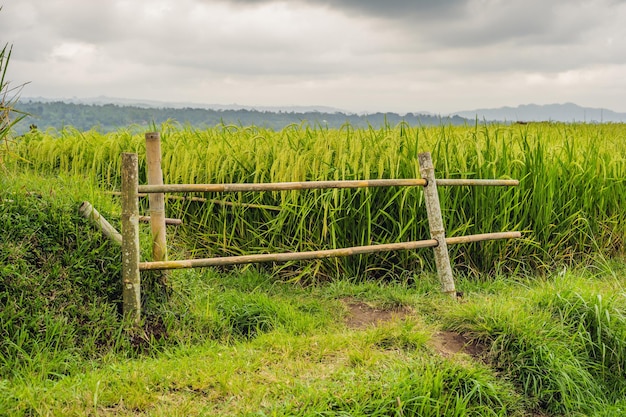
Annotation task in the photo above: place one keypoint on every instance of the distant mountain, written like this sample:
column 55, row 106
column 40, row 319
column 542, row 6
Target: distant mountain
column 566, row 112
column 154, row 104
column 46, row 114
column 107, row 114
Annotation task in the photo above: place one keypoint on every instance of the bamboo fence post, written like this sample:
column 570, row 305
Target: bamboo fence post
column 156, row 200
column 435, row 223
column 131, row 291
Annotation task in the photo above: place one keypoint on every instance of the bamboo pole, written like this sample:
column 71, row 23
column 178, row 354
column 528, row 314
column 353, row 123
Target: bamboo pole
column 312, row 185
column 208, row 200
column 329, row 253
column 90, row 213
column 285, row 257
column 435, row 223
column 278, row 186
column 131, row 290
column 170, row 221
column 156, row 200
column 476, row 182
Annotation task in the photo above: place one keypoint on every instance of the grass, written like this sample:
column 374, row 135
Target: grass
column 56, row 280
column 301, row 361
column 560, row 340
column 246, row 344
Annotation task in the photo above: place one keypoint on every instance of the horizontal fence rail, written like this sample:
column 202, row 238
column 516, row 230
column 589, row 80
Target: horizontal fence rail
column 328, row 253
column 315, row 185
column 131, row 264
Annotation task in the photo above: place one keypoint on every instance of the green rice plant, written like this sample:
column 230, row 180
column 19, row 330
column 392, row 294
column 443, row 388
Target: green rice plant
column 568, row 204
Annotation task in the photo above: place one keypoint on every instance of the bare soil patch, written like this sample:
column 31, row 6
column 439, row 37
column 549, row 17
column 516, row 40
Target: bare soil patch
column 448, row 344
column 361, row 315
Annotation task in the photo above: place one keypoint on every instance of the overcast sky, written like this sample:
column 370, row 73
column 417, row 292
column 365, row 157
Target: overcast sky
column 357, row 55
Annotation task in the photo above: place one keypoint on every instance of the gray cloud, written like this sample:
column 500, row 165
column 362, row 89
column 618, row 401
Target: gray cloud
column 389, row 8
column 360, row 55
column 472, row 22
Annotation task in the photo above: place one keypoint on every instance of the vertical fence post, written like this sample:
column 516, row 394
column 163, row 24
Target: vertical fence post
column 435, row 223
column 131, row 291
column 156, row 200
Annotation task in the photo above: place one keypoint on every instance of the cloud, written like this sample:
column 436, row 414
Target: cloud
column 471, row 22
column 441, row 9
column 360, row 55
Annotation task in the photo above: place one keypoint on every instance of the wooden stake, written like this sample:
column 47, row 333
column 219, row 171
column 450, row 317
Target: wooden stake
column 131, row 291
column 435, row 223
column 157, row 200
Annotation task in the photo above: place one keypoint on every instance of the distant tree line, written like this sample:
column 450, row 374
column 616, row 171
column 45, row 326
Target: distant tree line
column 109, row 117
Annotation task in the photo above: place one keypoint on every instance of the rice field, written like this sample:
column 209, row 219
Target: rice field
column 568, row 204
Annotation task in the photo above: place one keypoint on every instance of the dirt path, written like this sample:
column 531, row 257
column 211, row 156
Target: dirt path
column 446, row 343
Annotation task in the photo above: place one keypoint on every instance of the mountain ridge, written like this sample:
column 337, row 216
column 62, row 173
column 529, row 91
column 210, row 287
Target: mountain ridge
column 109, row 113
column 109, row 117
column 556, row 112
column 104, row 100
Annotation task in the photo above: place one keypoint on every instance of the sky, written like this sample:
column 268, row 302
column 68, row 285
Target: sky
column 404, row 56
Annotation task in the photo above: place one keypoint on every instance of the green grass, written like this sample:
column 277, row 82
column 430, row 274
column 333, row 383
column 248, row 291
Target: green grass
column 246, row 344
column 58, row 290
column 561, row 341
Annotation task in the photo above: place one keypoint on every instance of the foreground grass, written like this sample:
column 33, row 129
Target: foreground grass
column 287, row 352
column 246, row 343
column 554, row 346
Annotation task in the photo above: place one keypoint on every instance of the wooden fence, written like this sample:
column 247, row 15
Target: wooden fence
column 132, row 265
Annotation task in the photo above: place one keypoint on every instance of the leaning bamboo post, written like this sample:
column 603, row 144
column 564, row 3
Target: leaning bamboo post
column 89, row 212
column 131, row 291
column 156, row 200
column 435, row 223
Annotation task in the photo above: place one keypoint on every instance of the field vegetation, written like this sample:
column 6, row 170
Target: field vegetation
column 9, row 95
column 568, row 202
column 540, row 330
